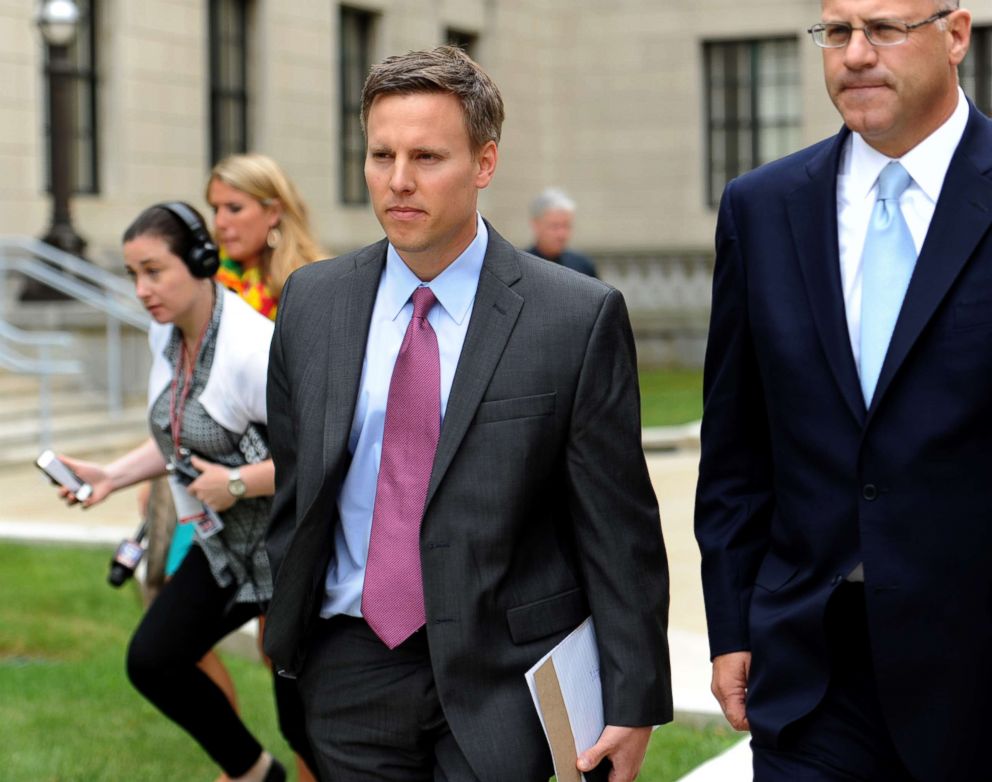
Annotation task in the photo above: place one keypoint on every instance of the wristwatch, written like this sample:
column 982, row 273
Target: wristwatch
column 235, row 485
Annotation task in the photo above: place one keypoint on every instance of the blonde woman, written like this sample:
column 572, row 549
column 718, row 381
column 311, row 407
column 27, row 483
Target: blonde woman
column 262, row 227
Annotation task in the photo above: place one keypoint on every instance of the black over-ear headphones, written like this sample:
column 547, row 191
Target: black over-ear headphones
column 202, row 259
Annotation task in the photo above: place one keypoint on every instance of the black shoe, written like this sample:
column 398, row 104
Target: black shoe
column 276, row 772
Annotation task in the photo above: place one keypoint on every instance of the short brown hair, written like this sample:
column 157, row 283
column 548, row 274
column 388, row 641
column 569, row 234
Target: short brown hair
column 444, row 69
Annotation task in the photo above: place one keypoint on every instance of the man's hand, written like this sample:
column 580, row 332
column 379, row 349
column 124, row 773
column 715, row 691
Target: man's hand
column 625, row 747
column 729, row 685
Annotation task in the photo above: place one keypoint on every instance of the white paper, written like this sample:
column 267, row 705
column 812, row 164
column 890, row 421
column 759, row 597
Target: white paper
column 576, row 663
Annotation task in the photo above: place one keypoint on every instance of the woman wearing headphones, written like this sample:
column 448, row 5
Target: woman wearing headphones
column 262, row 228
column 206, row 399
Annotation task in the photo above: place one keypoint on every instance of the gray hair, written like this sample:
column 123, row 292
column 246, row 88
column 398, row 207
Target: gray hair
column 446, row 69
column 945, row 5
column 552, row 198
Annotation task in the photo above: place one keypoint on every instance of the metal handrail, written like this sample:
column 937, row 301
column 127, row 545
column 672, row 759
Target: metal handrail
column 83, row 281
column 15, row 362
column 55, row 339
column 69, row 263
column 73, row 277
column 44, row 366
column 131, row 313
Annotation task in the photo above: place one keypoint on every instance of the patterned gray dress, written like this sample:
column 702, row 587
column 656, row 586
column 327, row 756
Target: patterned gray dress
column 236, row 553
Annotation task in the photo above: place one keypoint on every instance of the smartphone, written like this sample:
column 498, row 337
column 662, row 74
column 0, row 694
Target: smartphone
column 60, row 474
column 183, row 469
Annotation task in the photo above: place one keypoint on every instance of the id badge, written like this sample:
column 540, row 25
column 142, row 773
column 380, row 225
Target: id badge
column 190, row 510
column 209, row 524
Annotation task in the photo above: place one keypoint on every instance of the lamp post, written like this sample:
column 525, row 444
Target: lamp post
column 58, row 21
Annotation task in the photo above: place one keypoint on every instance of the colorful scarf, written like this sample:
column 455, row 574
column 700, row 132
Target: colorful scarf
column 248, row 284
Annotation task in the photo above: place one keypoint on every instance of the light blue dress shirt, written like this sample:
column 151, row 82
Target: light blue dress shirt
column 455, row 290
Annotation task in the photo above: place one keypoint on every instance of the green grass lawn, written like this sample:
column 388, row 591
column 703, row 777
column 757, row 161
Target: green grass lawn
column 671, row 396
column 68, row 713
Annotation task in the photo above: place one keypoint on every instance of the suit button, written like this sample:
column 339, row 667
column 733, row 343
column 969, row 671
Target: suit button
column 836, row 580
column 869, row 492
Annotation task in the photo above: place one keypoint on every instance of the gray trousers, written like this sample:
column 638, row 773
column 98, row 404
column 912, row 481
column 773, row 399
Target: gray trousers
column 372, row 713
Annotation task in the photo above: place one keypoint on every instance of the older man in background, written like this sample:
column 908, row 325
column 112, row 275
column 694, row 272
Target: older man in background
column 551, row 216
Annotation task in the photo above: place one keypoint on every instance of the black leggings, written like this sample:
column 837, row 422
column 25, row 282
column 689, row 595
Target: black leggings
column 189, row 616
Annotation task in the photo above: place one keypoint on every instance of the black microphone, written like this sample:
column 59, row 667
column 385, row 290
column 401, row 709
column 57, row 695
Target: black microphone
column 128, row 555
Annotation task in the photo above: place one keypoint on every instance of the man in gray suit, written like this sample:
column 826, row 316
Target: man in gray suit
column 460, row 480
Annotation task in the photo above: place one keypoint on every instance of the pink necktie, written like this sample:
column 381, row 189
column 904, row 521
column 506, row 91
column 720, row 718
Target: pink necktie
column 393, row 594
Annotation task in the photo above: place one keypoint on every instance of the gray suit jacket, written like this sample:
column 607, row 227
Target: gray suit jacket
column 539, row 511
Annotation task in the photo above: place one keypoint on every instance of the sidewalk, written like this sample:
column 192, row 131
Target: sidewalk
column 31, row 510
column 674, row 478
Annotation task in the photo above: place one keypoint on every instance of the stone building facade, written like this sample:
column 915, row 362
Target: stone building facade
column 640, row 109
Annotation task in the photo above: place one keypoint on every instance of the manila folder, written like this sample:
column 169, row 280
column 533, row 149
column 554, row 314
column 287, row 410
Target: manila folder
column 568, row 696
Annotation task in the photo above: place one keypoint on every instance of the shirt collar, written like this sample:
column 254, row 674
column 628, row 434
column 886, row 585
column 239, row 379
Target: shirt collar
column 927, row 162
column 454, row 288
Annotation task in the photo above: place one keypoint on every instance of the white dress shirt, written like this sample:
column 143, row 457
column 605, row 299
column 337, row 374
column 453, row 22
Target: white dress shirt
column 455, row 290
column 857, row 189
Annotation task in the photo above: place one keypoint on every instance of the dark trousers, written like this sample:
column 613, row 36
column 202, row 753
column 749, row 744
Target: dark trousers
column 373, row 714
column 189, row 616
column 844, row 739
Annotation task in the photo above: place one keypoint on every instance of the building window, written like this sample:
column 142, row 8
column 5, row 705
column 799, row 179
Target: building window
column 463, row 40
column 228, row 78
column 82, row 56
column 753, row 106
column 356, row 59
column 976, row 69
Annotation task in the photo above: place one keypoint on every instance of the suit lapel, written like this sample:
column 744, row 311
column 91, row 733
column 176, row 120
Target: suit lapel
column 812, row 212
column 493, row 318
column 962, row 216
column 351, row 313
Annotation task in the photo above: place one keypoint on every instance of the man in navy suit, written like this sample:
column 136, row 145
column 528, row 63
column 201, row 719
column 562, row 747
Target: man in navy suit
column 844, row 505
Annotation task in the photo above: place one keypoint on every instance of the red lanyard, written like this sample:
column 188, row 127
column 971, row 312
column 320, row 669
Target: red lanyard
column 177, row 399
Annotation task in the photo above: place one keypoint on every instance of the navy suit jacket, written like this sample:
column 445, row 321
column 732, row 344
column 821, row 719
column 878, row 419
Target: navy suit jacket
column 799, row 481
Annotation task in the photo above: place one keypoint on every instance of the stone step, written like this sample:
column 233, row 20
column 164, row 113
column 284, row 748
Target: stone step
column 28, row 403
column 100, row 447
column 16, row 385
column 683, row 437
column 72, row 424
column 12, row 385
column 80, row 423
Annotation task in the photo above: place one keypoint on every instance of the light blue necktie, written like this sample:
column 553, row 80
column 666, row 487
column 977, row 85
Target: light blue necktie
column 887, row 263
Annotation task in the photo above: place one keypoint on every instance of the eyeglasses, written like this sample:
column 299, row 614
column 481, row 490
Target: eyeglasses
column 879, row 32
